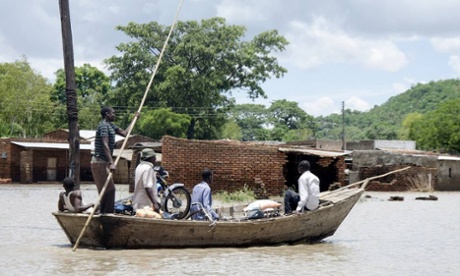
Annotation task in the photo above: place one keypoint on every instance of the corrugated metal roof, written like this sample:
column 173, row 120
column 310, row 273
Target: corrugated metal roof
column 322, row 153
column 42, row 145
column 127, row 153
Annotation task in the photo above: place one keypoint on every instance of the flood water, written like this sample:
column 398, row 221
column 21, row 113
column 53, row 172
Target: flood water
column 379, row 237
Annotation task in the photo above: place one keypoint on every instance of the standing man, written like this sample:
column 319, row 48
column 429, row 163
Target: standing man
column 202, row 194
column 308, row 196
column 145, row 190
column 102, row 161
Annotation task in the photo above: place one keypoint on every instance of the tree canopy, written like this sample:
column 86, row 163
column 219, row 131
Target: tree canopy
column 438, row 129
column 205, row 62
column 25, row 105
column 92, row 88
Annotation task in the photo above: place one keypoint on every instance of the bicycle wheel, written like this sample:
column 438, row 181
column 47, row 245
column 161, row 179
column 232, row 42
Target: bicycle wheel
column 178, row 202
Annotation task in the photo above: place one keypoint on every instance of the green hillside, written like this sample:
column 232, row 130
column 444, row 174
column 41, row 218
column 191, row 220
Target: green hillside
column 385, row 121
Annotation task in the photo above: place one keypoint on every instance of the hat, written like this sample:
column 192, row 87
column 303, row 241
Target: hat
column 147, row 153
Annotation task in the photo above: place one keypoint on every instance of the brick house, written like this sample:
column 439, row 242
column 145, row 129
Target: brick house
column 47, row 160
column 263, row 167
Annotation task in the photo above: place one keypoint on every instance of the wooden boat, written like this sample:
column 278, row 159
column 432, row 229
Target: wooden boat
column 130, row 232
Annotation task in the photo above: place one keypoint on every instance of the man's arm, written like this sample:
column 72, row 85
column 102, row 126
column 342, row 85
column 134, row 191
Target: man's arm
column 303, row 194
column 153, row 199
column 122, row 132
column 207, row 203
column 61, row 205
column 77, row 202
column 150, row 185
column 105, row 144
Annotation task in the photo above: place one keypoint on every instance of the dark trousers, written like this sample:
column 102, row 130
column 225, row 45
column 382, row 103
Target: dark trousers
column 100, row 172
column 291, row 200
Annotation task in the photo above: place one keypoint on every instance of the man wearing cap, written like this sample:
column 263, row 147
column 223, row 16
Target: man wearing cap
column 145, row 190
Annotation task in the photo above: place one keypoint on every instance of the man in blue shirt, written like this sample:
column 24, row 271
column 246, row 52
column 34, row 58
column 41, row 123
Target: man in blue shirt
column 202, row 194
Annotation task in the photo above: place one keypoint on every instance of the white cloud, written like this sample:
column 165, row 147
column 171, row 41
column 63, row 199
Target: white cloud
column 446, row 45
column 322, row 106
column 454, row 62
column 240, row 11
column 322, row 42
column 355, row 103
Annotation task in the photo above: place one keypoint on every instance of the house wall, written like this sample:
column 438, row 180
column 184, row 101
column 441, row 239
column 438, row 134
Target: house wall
column 375, row 144
column 5, row 159
column 58, row 135
column 368, row 158
column 34, row 162
column 395, row 144
column 449, row 175
column 445, row 174
column 234, row 164
column 414, row 178
column 329, row 145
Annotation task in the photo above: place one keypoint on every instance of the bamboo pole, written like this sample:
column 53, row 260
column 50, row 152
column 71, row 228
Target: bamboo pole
column 131, row 126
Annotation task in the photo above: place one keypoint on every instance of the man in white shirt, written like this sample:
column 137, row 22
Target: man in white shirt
column 308, row 196
column 145, row 190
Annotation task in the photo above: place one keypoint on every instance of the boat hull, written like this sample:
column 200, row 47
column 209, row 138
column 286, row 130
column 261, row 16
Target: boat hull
column 128, row 232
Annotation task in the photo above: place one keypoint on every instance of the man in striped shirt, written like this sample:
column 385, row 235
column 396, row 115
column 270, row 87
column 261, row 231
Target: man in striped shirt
column 102, row 161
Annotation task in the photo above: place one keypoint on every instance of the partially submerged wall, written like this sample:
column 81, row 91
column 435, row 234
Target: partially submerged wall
column 423, row 174
column 416, row 178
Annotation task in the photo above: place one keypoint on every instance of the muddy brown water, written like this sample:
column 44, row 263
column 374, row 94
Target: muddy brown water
column 379, row 237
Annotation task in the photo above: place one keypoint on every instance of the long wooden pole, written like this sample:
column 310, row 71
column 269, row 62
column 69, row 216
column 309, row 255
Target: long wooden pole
column 131, row 126
column 71, row 94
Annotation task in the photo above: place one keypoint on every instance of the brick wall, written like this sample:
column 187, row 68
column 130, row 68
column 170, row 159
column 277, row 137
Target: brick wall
column 234, row 164
column 5, row 164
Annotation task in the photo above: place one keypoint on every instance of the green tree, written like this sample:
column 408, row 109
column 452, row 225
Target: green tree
column 439, row 129
column 204, row 63
column 252, row 120
column 408, row 122
column 92, row 88
column 231, row 130
column 162, row 121
column 25, row 105
column 287, row 116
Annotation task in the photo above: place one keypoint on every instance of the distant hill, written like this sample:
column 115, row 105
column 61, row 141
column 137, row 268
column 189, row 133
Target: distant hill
column 385, row 121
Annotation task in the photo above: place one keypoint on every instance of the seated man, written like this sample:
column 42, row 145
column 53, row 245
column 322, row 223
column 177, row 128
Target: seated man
column 71, row 200
column 202, row 195
column 145, row 190
column 308, row 196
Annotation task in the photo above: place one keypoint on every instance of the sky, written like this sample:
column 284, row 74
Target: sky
column 359, row 53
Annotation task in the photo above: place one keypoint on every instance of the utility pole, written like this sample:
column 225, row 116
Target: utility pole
column 71, row 94
column 344, row 145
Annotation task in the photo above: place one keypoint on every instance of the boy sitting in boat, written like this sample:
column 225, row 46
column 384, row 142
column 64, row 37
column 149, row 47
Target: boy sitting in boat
column 71, row 200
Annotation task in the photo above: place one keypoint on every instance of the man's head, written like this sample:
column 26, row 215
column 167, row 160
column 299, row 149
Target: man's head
column 206, row 174
column 108, row 113
column 68, row 183
column 304, row 166
column 149, row 155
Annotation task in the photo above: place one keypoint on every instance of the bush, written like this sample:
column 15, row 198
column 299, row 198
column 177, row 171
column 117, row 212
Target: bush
column 244, row 195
